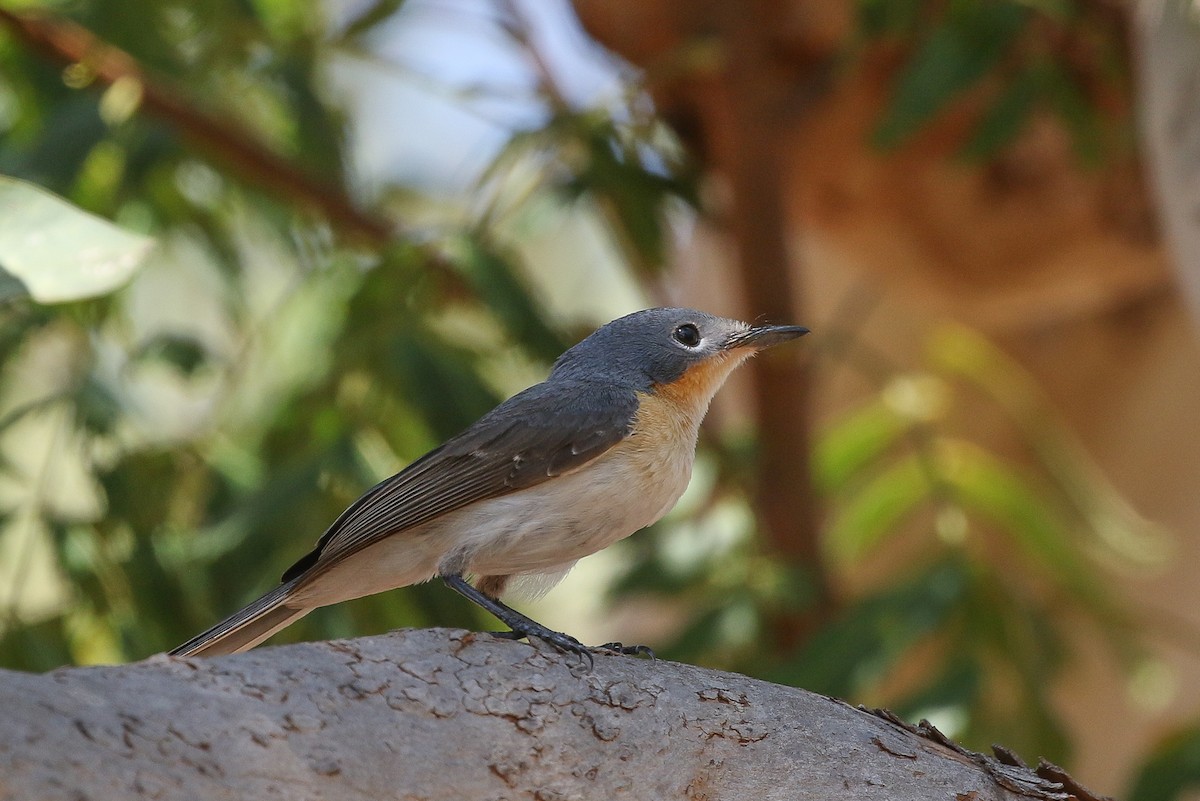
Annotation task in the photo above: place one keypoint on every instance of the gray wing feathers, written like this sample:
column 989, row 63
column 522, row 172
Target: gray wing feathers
column 545, row 431
column 247, row 627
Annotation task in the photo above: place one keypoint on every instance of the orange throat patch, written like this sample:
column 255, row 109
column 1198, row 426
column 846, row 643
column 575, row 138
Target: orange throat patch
column 692, row 391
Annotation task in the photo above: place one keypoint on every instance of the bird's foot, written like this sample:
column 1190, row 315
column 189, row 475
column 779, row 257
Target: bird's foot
column 523, row 627
column 568, row 644
column 564, row 643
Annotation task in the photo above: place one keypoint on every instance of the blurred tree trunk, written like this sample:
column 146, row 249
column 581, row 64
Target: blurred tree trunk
column 742, row 119
column 448, row 715
column 738, row 107
column 1167, row 60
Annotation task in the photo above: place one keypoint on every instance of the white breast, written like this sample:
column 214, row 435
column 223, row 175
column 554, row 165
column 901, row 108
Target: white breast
column 548, row 527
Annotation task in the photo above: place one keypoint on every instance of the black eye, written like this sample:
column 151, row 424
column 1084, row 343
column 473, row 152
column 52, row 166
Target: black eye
column 687, row 335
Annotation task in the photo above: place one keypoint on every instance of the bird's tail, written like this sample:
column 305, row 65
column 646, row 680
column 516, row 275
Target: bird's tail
column 247, row 627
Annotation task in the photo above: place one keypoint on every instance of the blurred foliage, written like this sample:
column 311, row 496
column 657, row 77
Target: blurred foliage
column 1009, row 61
column 1172, row 770
column 167, row 450
column 985, row 567
column 53, row 252
column 166, row 444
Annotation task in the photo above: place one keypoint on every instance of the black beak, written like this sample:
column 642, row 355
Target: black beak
column 761, row 337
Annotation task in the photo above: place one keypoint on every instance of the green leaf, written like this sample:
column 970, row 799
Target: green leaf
column 182, row 351
column 877, row 509
column 441, row 381
column 1070, row 103
column 1016, row 636
column 1076, row 480
column 614, row 171
column 996, row 490
column 492, row 276
column 960, row 51
column 137, row 489
column 958, row 685
column 11, row 287
column 34, row 647
column 59, row 252
column 853, row 444
column 97, row 408
column 880, row 17
column 874, row 634
column 649, row 574
column 1172, row 769
column 374, row 14
column 1006, row 117
column 708, row 632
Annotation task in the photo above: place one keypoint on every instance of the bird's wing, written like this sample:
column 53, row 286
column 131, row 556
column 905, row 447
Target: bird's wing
column 545, row 431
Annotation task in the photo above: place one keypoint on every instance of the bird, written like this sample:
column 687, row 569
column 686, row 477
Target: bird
column 600, row 449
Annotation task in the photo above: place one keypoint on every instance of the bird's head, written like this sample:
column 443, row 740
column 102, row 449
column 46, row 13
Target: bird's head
column 680, row 353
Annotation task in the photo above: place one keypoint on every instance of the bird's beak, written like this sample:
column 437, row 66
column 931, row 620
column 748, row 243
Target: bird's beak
column 761, row 337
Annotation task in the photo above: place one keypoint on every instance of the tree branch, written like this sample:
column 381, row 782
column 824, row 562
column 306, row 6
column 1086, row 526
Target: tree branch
column 449, row 715
column 224, row 140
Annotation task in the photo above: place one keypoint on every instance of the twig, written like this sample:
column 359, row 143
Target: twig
column 223, row 139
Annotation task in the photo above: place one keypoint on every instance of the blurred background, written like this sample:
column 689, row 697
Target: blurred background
column 972, row 495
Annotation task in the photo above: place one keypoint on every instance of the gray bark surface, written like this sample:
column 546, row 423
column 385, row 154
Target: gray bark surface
column 445, row 714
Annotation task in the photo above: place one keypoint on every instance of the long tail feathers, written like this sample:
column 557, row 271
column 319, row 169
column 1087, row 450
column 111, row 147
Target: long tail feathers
column 247, row 627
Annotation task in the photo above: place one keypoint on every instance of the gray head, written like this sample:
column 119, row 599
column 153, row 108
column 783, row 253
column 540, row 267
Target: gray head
column 656, row 348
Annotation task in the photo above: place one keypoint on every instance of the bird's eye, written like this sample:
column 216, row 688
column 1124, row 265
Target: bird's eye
column 687, row 335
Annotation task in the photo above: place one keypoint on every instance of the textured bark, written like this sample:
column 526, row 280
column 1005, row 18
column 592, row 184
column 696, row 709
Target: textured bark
column 449, row 715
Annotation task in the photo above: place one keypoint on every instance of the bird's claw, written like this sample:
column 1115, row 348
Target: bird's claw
column 561, row 642
column 569, row 645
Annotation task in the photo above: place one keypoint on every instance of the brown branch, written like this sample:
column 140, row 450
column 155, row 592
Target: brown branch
column 442, row 714
column 222, row 139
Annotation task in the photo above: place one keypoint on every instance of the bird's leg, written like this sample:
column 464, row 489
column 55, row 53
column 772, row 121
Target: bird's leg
column 521, row 625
